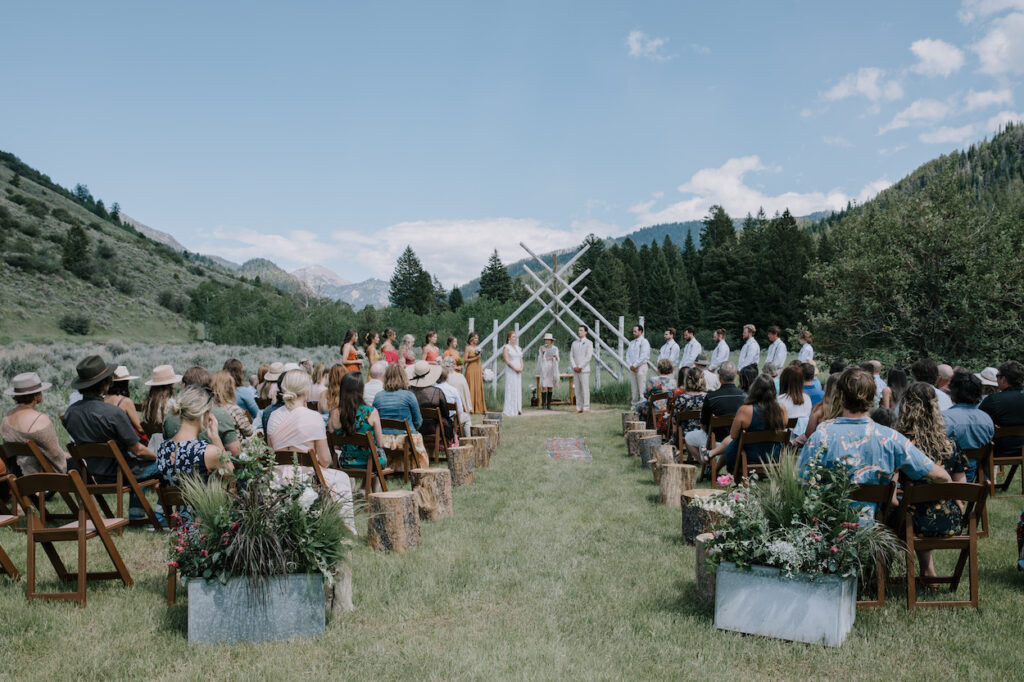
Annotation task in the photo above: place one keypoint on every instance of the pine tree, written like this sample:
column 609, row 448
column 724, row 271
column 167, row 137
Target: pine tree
column 405, row 280
column 424, row 297
column 630, row 259
column 440, row 302
column 76, row 256
column 455, row 299
column 607, row 287
column 495, row 282
column 691, row 258
column 115, row 212
column 717, row 229
column 658, row 303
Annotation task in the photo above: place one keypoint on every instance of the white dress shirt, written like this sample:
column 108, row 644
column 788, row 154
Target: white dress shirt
column 806, row 353
column 638, row 352
column 776, row 353
column 690, row 352
column 750, row 354
column 580, row 354
column 670, row 352
column 719, row 355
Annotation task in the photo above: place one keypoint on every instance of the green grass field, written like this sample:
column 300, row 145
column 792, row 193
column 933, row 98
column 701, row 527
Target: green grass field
column 548, row 570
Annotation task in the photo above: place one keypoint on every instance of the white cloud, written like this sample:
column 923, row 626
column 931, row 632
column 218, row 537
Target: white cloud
column 700, row 49
column 642, row 46
column 725, row 186
column 973, row 9
column 295, row 246
column 868, row 82
column 1001, row 50
column 889, row 151
column 1002, row 118
column 987, row 98
column 936, row 57
column 947, row 134
column 920, row 110
column 836, row 141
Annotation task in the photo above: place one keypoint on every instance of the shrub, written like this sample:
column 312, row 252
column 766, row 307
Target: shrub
column 123, row 284
column 172, row 301
column 105, row 251
column 65, row 217
column 76, row 325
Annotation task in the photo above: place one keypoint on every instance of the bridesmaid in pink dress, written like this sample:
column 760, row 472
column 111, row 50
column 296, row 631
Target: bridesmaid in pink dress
column 408, row 355
column 388, row 347
column 430, row 350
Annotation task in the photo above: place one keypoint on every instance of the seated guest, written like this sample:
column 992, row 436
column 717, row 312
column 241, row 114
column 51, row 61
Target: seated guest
column 423, row 378
column 267, row 390
column 921, row 422
column 353, row 417
column 201, row 378
column 319, row 383
column 1006, row 408
column 451, row 395
column 158, row 402
column 927, row 371
column 827, row 410
column 872, row 452
column 812, row 387
column 119, row 395
column 395, row 401
column 724, row 402
column 760, row 412
column 245, row 395
column 945, row 375
column 837, row 366
column 883, row 416
column 460, row 384
column 967, row 426
column 329, row 398
column 895, row 386
column 773, row 371
column 25, row 424
column 297, row 428
column 989, row 382
column 747, row 376
column 691, row 396
column 92, row 420
column 223, row 386
column 793, row 398
column 276, row 405
column 710, row 378
column 664, row 382
column 376, row 383
column 184, row 453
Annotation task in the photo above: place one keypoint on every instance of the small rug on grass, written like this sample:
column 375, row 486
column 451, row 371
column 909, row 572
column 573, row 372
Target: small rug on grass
column 569, row 448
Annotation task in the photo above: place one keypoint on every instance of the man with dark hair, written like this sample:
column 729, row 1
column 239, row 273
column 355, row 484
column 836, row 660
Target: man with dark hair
column 966, row 425
column 776, row 352
column 724, row 402
column 1007, row 406
column 91, row 420
column 692, row 348
column 837, row 366
column 721, row 352
column 670, row 349
column 200, row 377
column 638, row 354
column 811, row 387
column 927, row 371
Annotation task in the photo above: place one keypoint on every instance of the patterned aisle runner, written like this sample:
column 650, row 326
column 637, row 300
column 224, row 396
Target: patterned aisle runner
column 569, row 448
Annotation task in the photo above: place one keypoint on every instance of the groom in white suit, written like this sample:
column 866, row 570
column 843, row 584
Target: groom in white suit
column 580, row 354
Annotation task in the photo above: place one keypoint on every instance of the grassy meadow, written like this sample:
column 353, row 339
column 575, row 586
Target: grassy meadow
column 548, row 570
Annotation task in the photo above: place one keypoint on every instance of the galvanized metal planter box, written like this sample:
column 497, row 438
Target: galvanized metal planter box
column 802, row 608
column 293, row 605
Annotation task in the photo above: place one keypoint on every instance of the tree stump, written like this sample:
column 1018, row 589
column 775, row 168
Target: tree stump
column 635, row 425
column 496, row 416
column 636, row 438
column 497, row 431
column 478, row 445
column 490, row 432
column 394, row 524
column 705, row 578
column 647, row 447
column 626, row 418
column 433, row 488
column 675, row 478
column 663, row 454
column 339, row 595
column 696, row 520
column 461, row 465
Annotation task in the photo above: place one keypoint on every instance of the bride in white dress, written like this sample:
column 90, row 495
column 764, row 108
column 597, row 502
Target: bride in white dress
column 512, row 354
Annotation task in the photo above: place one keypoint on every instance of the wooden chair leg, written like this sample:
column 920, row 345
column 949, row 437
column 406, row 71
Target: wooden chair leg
column 172, row 586
column 911, row 569
column 83, row 574
column 973, row 576
column 7, row 566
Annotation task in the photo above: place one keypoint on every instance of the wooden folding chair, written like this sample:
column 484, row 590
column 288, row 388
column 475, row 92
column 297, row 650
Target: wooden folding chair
column 983, row 457
column 407, row 448
column 881, row 496
column 371, row 471
column 125, row 481
column 303, row 459
column 30, row 449
column 453, row 409
column 6, row 565
column 31, row 491
column 171, row 501
column 743, row 468
column 651, row 418
column 678, row 418
column 440, row 436
column 716, row 422
column 791, row 423
column 1015, row 460
column 973, row 494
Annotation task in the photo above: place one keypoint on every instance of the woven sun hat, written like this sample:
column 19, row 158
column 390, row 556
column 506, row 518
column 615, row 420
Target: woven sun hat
column 289, row 366
column 275, row 371
column 702, row 359
column 163, row 375
column 423, row 374
column 91, row 371
column 27, row 383
column 988, row 376
column 549, row 337
column 122, row 374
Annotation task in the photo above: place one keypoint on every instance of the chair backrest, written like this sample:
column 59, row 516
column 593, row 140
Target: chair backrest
column 719, row 421
column 878, row 494
column 32, row 490
column 751, row 437
column 28, row 449
column 791, row 422
column 263, row 403
column 303, row 459
column 398, row 424
column 747, row 438
column 171, row 500
column 83, row 451
column 371, row 469
column 973, row 494
column 1008, row 432
column 313, row 405
column 689, row 416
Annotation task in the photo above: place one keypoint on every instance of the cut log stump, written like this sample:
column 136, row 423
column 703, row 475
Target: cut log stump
column 496, row 416
column 626, row 418
column 663, row 454
column 696, row 520
column 490, row 432
column 705, row 578
column 433, row 488
column 394, row 524
column 675, row 478
column 636, row 438
column 646, row 448
column 461, row 465
column 497, row 431
column 478, row 445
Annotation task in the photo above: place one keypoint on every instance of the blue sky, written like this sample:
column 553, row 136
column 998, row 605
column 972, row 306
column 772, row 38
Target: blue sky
column 336, row 133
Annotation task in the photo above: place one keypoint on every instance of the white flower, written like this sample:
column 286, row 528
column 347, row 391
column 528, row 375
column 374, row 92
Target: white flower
column 307, row 498
column 243, row 457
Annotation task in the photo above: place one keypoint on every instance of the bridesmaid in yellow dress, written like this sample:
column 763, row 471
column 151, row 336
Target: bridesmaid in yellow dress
column 474, row 374
column 452, row 351
column 430, row 352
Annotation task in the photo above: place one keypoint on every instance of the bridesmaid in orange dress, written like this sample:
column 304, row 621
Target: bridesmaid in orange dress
column 349, row 355
column 430, row 352
column 388, row 347
column 474, row 374
column 452, row 351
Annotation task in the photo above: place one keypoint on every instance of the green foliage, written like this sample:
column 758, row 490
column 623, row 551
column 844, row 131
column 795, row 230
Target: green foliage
column 718, row 228
column 411, row 287
column 75, row 324
column 495, row 282
column 65, row 217
column 173, row 301
column 76, row 257
column 34, row 207
column 105, row 252
column 455, row 299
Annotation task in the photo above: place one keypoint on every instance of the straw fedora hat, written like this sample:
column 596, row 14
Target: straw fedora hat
column 91, row 371
column 988, row 376
column 275, row 371
column 122, row 374
column 27, row 383
column 549, row 337
column 163, row 375
column 423, row 374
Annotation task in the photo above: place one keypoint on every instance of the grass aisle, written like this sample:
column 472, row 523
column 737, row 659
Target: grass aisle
column 549, row 570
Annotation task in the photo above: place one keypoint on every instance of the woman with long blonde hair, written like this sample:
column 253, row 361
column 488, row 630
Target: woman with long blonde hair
column 329, row 398
column 406, row 352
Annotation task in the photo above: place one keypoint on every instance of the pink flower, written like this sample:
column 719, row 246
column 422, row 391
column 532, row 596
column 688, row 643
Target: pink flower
column 834, row 549
column 203, row 552
column 172, row 564
column 849, row 524
column 724, row 479
column 814, row 536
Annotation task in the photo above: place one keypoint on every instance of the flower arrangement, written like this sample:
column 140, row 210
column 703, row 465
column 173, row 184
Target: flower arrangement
column 259, row 529
column 800, row 524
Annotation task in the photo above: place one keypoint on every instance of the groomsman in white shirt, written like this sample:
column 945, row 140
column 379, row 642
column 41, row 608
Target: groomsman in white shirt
column 691, row 350
column 776, row 353
column 580, row 354
column 750, row 353
column 637, row 356
column 721, row 352
column 670, row 349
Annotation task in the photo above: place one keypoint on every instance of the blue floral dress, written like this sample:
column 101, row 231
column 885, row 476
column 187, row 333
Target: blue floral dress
column 174, row 460
column 353, row 456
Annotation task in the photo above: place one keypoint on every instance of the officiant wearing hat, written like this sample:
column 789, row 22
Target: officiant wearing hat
column 547, row 370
